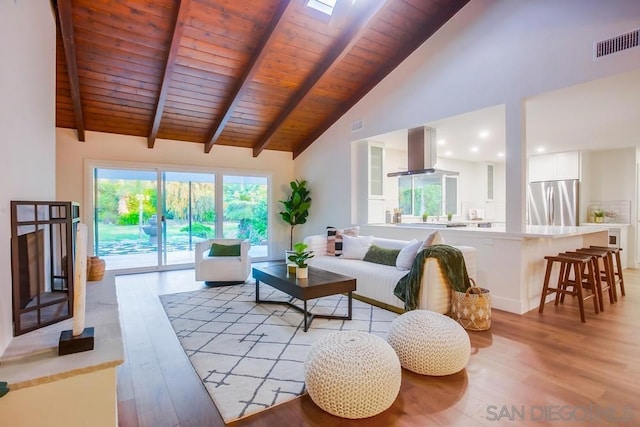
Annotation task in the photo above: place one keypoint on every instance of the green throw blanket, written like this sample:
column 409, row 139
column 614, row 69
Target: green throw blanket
column 451, row 263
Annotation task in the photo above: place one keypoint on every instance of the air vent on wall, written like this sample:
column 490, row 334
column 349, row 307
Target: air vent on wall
column 356, row 125
column 616, row 44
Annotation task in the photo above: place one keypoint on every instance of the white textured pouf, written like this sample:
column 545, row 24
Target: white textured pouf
column 352, row 374
column 429, row 343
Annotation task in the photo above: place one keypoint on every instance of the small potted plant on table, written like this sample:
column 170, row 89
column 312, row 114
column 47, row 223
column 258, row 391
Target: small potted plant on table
column 299, row 257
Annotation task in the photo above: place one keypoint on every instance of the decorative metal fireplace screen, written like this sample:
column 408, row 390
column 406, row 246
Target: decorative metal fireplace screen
column 42, row 255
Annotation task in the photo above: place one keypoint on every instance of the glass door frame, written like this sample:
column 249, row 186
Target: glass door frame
column 88, row 205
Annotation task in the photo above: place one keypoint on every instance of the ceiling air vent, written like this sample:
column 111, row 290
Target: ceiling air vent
column 356, row 125
column 616, row 44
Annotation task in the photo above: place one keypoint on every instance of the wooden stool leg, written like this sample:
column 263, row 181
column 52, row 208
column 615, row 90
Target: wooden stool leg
column 619, row 265
column 611, row 267
column 611, row 277
column 564, row 279
column 596, row 286
column 545, row 286
column 578, row 289
column 597, row 281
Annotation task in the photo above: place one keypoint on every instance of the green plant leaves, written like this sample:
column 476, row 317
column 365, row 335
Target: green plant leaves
column 296, row 207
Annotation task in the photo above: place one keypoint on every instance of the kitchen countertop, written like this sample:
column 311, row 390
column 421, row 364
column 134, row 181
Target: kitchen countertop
column 498, row 231
column 32, row 359
column 605, row 224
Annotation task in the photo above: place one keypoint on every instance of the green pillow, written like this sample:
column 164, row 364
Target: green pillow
column 383, row 256
column 224, row 250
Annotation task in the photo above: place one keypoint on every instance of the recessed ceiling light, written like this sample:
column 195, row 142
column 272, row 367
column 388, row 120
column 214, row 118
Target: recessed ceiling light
column 474, row 149
column 484, row 134
column 540, row 149
column 448, row 153
column 442, row 141
column 501, row 154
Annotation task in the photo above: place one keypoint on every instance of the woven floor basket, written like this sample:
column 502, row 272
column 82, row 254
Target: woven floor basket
column 472, row 309
column 95, row 269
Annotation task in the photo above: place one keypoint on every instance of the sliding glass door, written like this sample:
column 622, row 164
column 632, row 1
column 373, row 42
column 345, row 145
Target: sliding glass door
column 148, row 219
column 189, row 214
column 245, row 201
column 125, row 229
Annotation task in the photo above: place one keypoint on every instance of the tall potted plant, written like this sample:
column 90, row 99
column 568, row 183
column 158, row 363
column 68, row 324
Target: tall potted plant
column 296, row 207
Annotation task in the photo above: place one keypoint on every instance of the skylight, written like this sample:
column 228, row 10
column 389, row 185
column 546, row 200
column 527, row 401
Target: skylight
column 324, row 6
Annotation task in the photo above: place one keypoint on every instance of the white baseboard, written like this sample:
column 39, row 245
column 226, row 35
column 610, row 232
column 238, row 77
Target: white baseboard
column 507, row 304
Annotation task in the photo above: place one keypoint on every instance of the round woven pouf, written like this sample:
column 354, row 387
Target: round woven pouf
column 429, row 343
column 352, row 374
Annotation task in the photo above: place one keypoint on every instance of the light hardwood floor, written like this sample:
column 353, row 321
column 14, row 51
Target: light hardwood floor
column 540, row 370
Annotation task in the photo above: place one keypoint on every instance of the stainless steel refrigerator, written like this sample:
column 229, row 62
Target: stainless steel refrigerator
column 553, row 203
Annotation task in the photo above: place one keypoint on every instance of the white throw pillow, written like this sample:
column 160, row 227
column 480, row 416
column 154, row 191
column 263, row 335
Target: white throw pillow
column 355, row 247
column 407, row 255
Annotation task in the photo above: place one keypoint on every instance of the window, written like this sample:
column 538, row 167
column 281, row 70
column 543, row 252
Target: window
column 245, row 201
column 434, row 194
column 324, row 6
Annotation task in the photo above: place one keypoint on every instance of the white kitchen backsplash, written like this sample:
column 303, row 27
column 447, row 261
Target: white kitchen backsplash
column 615, row 211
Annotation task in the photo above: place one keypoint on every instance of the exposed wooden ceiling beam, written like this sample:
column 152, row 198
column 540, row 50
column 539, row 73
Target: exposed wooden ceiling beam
column 178, row 27
column 65, row 21
column 284, row 8
column 338, row 51
column 400, row 56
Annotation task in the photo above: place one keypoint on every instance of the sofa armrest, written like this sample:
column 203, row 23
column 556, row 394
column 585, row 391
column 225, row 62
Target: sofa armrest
column 201, row 248
column 435, row 292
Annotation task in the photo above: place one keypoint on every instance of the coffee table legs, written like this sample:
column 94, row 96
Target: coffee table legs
column 308, row 316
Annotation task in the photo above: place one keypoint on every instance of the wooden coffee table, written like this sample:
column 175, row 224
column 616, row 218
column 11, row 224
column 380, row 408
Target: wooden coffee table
column 320, row 283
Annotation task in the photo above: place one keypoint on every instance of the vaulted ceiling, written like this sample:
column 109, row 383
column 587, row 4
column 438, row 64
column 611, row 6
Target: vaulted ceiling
column 262, row 74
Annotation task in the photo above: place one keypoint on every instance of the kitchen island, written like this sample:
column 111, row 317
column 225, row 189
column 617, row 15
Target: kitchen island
column 510, row 264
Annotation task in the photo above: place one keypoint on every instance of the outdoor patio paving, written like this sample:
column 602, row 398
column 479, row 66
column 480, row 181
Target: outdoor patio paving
column 129, row 254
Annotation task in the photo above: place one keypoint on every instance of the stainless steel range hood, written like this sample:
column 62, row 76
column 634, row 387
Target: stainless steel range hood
column 421, row 153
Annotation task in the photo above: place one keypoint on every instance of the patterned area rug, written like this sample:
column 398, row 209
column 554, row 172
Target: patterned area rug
column 251, row 356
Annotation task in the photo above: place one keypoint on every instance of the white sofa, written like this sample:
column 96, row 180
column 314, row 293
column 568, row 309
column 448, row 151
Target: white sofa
column 376, row 282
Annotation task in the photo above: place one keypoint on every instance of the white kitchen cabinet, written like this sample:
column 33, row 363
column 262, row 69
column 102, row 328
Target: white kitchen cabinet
column 370, row 180
column 556, row 166
column 376, row 170
column 541, row 168
column 567, row 165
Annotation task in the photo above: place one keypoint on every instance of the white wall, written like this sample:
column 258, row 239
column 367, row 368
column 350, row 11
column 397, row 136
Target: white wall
column 492, row 52
column 71, row 156
column 27, row 123
column 612, row 175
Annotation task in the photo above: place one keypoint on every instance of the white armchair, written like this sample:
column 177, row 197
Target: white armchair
column 222, row 270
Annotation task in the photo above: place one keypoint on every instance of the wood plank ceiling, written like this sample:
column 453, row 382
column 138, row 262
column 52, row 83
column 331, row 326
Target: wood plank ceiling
column 261, row 74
